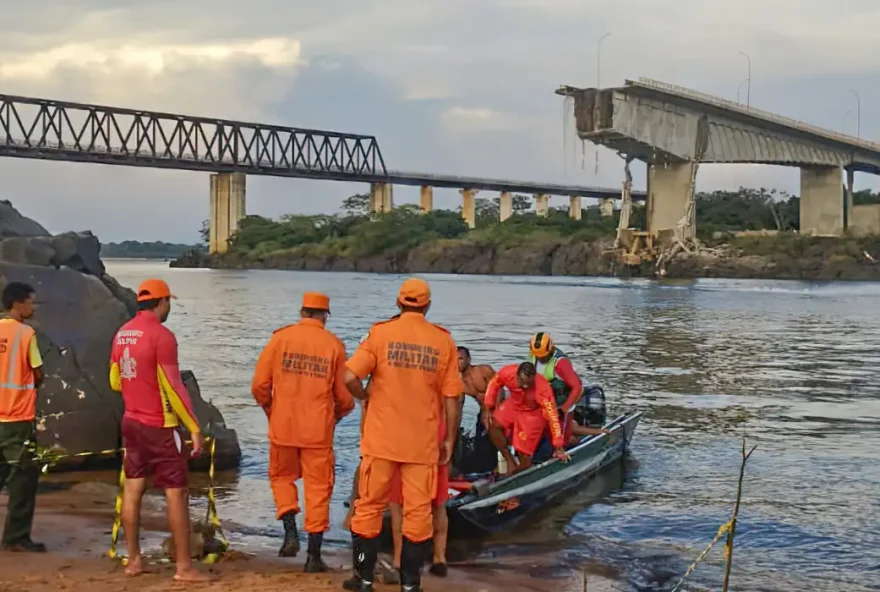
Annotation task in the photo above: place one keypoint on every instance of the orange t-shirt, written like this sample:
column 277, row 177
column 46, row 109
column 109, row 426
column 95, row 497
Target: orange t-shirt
column 300, row 378
column 413, row 365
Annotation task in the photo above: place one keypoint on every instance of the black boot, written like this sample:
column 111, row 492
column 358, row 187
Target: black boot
column 412, row 557
column 364, row 551
column 314, row 563
column 290, row 546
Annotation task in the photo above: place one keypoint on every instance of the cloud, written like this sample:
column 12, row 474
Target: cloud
column 448, row 87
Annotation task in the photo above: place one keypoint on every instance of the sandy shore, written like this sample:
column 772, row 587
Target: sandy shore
column 75, row 523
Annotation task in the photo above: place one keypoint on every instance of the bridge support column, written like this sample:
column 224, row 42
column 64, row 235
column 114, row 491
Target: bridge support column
column 227, row 206
column 469, row 207
column 821, row 200
column 669, row 188
column 848, row 211
column 426, row 198
column 606, row 207
column 381, row 197
column 505, row 203
column 542, row 205
column 574, row 207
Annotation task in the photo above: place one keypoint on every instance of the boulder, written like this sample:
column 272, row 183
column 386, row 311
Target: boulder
column 79, row 309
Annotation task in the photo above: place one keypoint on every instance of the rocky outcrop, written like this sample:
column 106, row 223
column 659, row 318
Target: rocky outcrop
column 79, row 310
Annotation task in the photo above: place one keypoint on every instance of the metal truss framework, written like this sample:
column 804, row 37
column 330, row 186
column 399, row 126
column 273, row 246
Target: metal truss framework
column 57, row 130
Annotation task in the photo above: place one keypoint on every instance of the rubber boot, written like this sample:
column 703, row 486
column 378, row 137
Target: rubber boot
column 290, row 546
column 364, row 552
column 412, row 558
column 314, row 563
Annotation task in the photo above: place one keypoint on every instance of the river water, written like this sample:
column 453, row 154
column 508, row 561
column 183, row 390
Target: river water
column 794, row 367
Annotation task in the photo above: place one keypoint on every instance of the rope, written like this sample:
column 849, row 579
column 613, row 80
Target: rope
column 721, row 532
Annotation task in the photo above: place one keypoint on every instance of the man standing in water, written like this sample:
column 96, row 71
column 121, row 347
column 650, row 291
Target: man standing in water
column 299, row 383
column 414, row 377
column 22, row 367
column 145, row 369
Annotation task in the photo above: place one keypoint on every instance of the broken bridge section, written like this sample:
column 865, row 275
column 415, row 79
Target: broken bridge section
column 674, row 130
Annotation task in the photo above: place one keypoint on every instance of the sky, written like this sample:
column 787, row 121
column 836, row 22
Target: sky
column 451, row 86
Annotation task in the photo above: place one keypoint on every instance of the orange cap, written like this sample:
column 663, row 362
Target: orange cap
column 414, row 292
column 153, row 289
column 316, row 300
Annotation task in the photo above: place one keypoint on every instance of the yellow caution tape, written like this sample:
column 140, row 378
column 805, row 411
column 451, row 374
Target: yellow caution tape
column 722, row 530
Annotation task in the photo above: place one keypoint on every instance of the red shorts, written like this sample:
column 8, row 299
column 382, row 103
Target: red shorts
column 523, row 428
column 157, row 452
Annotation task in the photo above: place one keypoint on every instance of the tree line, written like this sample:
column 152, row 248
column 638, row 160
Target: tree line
column 354, row 232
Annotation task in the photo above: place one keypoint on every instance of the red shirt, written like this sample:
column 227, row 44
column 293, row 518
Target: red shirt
column 144, row 368
column 539, row 397
column 565, row 371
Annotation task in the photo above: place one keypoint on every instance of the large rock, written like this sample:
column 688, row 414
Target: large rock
column 79, row 310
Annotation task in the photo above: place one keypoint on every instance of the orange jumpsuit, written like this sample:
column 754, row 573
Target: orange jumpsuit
column 413, row 365
column 526, row 414
column 299, row 381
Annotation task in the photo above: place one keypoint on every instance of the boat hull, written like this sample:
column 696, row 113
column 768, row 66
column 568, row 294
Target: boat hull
column 493, row 507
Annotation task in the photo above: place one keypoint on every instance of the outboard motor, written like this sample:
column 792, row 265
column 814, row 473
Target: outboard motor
column 590, row 410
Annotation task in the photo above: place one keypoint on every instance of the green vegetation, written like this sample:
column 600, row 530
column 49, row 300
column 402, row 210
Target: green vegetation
column 353, row 234
column 139, row 250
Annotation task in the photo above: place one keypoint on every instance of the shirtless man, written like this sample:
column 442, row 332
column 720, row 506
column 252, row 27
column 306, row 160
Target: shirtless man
column 475, row 378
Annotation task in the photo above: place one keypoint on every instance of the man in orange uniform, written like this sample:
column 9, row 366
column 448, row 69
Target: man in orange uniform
column 21, row 367
column 440, row 519
column 299, row 383
column 414, row 378
column 145, row 369
column 523, row 416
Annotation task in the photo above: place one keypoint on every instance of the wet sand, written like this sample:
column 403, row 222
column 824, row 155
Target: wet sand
column 75, row 522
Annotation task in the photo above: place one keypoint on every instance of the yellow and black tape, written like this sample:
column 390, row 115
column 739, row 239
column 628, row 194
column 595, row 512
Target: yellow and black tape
column 722, row 530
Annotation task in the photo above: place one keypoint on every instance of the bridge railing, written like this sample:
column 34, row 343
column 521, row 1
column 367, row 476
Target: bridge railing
column 31, row 126
column 760, row 113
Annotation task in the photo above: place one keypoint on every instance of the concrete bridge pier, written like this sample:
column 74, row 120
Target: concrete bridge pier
column 669, row 187
column 381, row 197
column 505, row 209
column 469, row 207
column 227, row 209
column 426, row 198
column 822, row 200
column 574, row 207
column 542, row 205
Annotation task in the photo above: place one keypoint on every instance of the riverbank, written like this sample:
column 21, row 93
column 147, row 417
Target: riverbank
column 783, row 256
column 74, row 519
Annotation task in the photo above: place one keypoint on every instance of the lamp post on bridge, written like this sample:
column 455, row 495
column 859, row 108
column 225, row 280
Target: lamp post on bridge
column 749, row 87
column 843, row 121
column 599, row 83
column 739, row 87
column 858, row 114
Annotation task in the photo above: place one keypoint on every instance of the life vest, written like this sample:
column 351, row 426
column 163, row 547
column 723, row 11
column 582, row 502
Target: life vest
column 18, row 393
column 560, row 389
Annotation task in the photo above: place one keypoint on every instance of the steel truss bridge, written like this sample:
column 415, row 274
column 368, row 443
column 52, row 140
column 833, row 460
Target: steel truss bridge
column 75, row 132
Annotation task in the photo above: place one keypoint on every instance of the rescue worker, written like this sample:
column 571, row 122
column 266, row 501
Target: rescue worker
column 439, row 516
column 145, row 369
column 414, row 376
column 524, row 416
column 21, row 367
column 552, row 363
column 299, row 383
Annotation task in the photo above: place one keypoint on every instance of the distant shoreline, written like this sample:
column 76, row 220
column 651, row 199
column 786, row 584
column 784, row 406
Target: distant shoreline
column 783, row 257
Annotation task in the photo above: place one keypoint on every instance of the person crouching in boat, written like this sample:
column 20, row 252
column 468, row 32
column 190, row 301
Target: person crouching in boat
column 568, row 390
column 523, row 417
